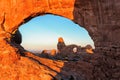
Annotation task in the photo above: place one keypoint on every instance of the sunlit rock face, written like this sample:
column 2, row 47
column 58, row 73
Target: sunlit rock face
column 99, row 17
column 14, row 13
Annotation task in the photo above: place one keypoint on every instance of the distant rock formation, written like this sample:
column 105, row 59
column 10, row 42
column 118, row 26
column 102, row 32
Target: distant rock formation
column 48, row 53
column 69, row 49
column 53, row 52
column 62, row 48
column 89, row 49
column 60, row 44
column 75, row 49
column 73, row 52
column 69, row 52
column 44, row 53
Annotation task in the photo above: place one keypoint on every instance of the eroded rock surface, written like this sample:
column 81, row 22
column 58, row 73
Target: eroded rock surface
column 99, row 17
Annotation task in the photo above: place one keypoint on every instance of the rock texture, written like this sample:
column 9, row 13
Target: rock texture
column 61, row 44
column 99, row 17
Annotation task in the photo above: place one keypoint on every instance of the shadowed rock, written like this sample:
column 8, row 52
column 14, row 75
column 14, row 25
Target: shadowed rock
column 48, row 53
column 16, row 37
column 89, row 49
column 60, row 44
column 44, row 54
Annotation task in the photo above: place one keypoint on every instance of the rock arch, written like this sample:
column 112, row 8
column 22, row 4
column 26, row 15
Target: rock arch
column 85, row 13
column 100, row 17
column 15, row 13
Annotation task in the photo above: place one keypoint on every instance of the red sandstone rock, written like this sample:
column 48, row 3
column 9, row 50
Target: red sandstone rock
column 60, row 45
column 53, row 52
column 100, row 17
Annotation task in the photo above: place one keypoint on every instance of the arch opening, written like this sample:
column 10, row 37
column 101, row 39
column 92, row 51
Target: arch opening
column 42, row 32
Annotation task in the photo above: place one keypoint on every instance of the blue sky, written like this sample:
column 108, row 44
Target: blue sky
column 42, row 32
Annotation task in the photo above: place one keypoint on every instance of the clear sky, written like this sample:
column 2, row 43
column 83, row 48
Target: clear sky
column 42, row 32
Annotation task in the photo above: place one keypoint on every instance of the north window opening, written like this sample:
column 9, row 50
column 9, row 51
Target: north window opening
column 42, row 33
